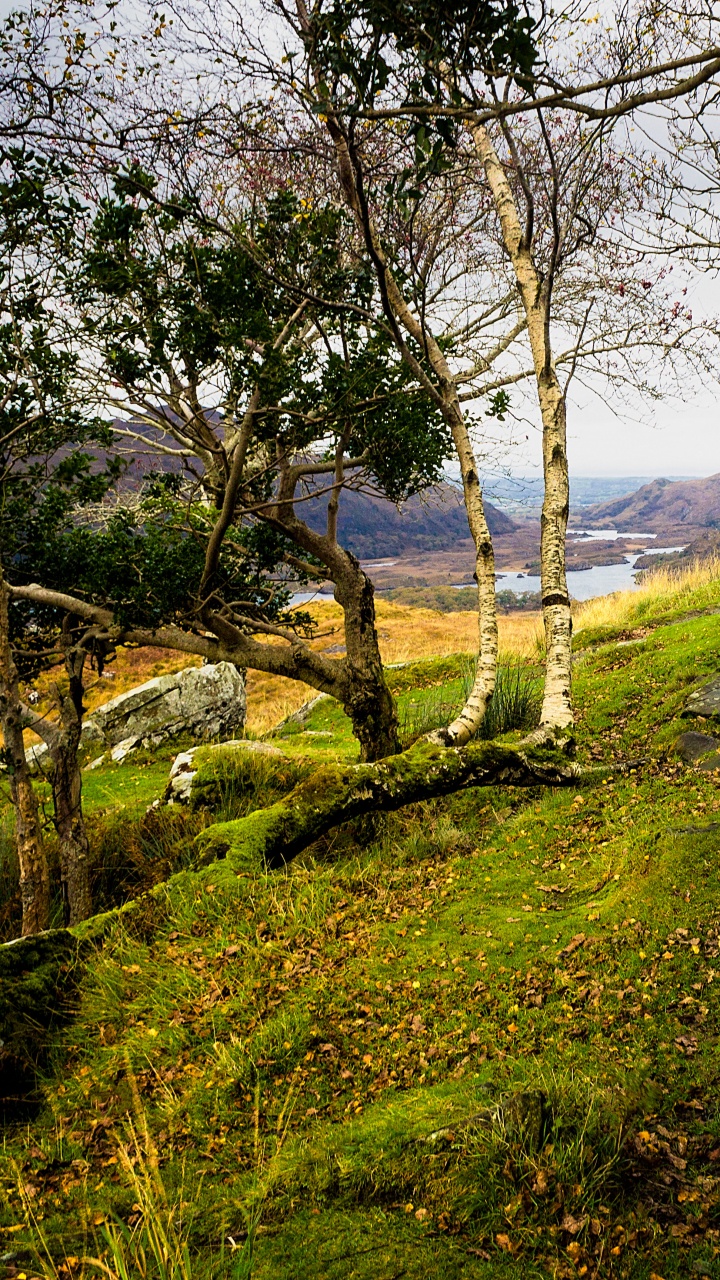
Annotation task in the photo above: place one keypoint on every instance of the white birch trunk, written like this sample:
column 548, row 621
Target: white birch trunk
column 557, row 708
column 445, row 394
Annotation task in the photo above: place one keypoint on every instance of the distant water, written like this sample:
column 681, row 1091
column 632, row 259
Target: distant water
column 587, row 584
column 583, row 584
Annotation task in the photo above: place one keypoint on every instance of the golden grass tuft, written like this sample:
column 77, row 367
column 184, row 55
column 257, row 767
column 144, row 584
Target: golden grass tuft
column 667, row 588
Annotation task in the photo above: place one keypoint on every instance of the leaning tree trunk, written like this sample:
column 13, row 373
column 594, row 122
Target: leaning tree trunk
column 557, row 700
column 442, row 390
column 34, row 875
column 462, row 729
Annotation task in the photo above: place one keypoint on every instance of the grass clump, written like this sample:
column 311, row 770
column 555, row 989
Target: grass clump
column 515, row 703
column 232, row 782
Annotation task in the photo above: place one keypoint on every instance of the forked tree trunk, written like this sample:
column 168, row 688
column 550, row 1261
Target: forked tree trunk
column 557, row 700
column 34, row 875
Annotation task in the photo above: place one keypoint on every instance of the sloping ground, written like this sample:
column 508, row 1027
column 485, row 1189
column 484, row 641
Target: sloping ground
column 661, row 505
column 484, row 1044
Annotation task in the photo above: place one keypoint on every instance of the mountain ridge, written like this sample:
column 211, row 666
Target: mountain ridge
column 372, row 527
column 662, row 504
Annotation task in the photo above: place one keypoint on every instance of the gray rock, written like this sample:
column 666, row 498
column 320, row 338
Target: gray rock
column 206, row 702
column 705, row 701
column 300, row 716
column 693, row 746
column 183, row 768
column 710, row 763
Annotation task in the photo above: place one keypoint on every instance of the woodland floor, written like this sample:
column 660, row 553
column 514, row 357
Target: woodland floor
column 484, row 1044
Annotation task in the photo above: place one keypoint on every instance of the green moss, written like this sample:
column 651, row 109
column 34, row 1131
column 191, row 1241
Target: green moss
column 296, row 1037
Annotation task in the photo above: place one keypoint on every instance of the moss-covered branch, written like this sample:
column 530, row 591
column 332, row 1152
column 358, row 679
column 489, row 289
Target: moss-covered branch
column 339, row 793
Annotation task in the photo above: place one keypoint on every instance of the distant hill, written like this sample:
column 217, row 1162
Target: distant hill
column 369, row 526
column 659, row 505
column 374, row 528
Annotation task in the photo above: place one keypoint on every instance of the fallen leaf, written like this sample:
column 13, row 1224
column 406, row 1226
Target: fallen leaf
column 573, row 945
column 687, row 1044
column 573, row 1225
column 503, row 1242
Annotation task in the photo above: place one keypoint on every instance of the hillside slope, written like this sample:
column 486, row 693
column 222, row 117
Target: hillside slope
column 661, row 505
column 483, row 1045
column 372, row 527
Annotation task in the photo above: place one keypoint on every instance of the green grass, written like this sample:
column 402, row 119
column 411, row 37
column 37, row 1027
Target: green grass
column 297, row 1039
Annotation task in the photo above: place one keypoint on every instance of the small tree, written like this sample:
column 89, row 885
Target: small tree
column 251, row 361
column 45, row 473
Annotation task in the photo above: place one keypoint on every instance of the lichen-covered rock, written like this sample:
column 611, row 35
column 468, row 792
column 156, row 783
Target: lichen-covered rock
column 185, row 769
column 705, row 701
column 207, row 702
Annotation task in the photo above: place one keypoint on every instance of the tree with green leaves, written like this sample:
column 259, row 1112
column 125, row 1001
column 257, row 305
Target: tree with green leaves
column 248, row 363
column 558, row 186
column 46, row 474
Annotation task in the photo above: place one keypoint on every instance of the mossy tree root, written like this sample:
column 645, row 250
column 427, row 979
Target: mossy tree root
column 334, row 794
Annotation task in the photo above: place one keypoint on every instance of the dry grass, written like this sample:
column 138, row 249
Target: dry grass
column 665, row 589
column 405, row 634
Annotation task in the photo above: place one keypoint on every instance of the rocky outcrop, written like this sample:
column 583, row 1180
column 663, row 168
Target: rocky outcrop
column 185, row 768
column 207, row 702
column 699, row 749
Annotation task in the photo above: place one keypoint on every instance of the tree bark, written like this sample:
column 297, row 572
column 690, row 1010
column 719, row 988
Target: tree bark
column 368, row 702
column 442, row 390
column 534, row 292
column 75, row 858
column 334, row 794
column 34, row 874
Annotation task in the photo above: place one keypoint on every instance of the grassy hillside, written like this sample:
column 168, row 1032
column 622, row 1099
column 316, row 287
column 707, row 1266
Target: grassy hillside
column 477, row 1039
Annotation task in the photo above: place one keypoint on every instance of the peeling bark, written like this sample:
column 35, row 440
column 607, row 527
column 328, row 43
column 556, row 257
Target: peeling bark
column 34, row 874
column 535, row 294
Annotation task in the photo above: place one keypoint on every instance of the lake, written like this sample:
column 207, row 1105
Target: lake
column 587, row 584
column 583, row 584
